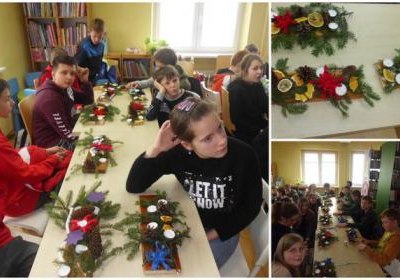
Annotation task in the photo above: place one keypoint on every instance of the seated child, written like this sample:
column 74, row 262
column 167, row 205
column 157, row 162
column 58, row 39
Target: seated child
column 328, row 192
column 166, row 80
column 164, row 57
column 29, row 175
column 220, row 173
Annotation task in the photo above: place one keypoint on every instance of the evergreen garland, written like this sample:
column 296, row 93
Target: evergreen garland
column 293, row 90
column 91, row 112
column 135, row 227
column 389, row 72
column 73, row 263
column 316, row 25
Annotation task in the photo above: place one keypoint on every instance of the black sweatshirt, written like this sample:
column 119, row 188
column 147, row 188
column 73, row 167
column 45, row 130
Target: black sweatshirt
column 227, row 191
column 161, row 106
column 248, row 108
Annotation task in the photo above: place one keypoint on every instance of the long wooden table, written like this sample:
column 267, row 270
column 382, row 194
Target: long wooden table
column 348, row 260
column 195, row 254
column 373, row 25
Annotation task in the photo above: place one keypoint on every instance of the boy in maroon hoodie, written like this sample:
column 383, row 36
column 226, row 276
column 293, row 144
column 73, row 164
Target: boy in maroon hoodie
column 52, row 114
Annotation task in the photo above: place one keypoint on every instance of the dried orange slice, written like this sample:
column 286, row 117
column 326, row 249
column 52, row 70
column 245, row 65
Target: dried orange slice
column 275, row 29
column 278, row 74
column 315, row 19
column 353, row 84
column 388, row 75
column 297, row 79
column 284, row 85
column 300, row 19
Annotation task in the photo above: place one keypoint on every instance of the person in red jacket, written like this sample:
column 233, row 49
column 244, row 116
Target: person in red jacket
column 27, row 175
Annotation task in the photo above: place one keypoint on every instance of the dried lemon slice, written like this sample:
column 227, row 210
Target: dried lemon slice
column 278, row 74
column 275, row 29
column 353, row 83
column 300, row 19
column 284, row 85
column 315, row 19
column 388, row 75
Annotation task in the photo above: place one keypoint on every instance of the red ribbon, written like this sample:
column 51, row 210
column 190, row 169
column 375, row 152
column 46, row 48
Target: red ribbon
column 137, row 106
column 90, row 223
column 327, row 83
column 103, row 147
column 100, row 111
column 284, row 22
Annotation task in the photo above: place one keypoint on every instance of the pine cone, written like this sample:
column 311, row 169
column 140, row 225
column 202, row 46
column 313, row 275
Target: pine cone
column 94, row 242
column 306, row 73
column 89, row 164
column 164, row 210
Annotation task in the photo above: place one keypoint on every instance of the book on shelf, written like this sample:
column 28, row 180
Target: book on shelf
column 39, row 9
column 135, row 69
column 42, row 35
column 69, row 9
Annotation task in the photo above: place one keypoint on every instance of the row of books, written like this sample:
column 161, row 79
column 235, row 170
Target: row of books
column 73, row 35
column 136, row 68
column 42, row 35
column 40, row 54
column 54, row 9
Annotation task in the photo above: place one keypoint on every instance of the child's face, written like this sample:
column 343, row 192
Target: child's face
column 6, row 104
column 171, row 86
column 64, row 75
column 255, row 72
column 96, row 37
column 294, row 256
column 210, row 139
column 388, row 224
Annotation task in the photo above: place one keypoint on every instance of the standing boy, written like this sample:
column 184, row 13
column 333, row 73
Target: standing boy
column 91, row 49
column 52, row 113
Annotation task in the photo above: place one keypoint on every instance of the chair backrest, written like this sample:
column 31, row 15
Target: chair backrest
column 26, row 108
column 259, row 232
column 14, row 90
column 223, row 61
column 226, row 114
column 30, row 77
column 212, row 96
column 187, row 66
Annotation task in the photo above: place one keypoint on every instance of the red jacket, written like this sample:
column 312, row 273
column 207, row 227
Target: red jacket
column 22, row 181
column 5, row 235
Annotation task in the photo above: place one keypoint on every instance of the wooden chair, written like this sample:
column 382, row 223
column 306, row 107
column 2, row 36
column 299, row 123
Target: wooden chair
column 26, row 108
column 212, row 96
column 226, row 114
column 223, row 61
column 187, row 66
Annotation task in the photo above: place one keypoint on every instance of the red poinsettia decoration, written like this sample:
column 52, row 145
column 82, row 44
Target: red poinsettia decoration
column 85, row 225
column 100, row 111
column 284, row 22
column 137, row 106
column 103, row 147
column 327, row 83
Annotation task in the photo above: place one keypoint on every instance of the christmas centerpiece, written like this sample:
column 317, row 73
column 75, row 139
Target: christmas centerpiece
column 99, row 154
column 325, row 219
column 317, row 25
column 137, row 95
column 339, row 85
column 109, row 91
column 98, row 113
column 159, row 230
column 136, row 113
column 325, row 237
column 324, row 268
column 342, row 219
column 327, row 201
column 389, row 72
column 352, row 235
column 84, row 249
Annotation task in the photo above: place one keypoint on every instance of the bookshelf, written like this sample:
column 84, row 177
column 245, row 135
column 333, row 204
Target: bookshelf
column 50, row 25
column 136, row 66
column 374, row 171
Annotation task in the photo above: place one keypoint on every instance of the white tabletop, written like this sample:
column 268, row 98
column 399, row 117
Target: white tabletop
column 348, row 260
column 375, row 26
column 195, row 254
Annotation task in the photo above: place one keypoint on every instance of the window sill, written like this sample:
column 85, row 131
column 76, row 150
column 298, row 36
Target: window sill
column 202, row 55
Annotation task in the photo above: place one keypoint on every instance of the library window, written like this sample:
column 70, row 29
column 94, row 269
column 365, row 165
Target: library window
column 198, row 27
column 358, row 165
column 319, row 167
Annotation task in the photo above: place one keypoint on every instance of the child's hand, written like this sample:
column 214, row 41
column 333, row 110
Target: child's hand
column 160, row 88
column 165, row 140
column 83, row 74
column 132, row 85
column 54, row 150
column 361, row 246
column 212, row 234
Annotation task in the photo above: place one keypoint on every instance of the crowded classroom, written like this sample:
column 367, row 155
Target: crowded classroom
column 133, row 143
column 335, row 209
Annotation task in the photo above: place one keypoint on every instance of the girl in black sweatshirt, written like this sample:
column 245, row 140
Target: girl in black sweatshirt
column 221, row 174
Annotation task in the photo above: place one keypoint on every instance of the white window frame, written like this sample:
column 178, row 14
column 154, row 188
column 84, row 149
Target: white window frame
column 197, row 28
column 366, row 166
column 303, row 165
